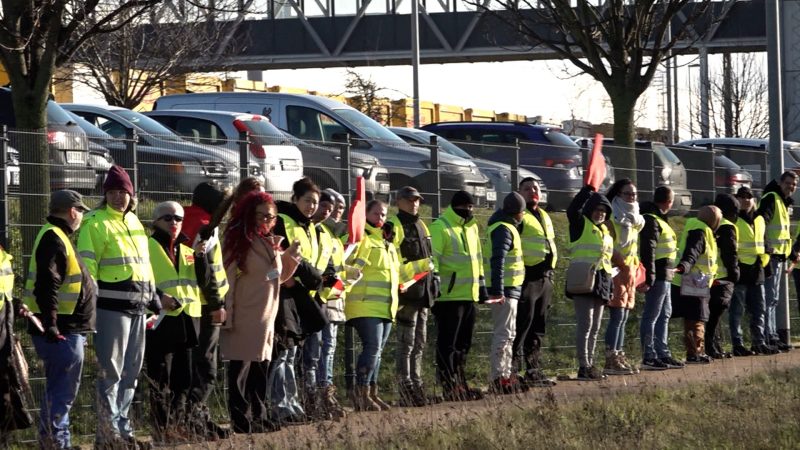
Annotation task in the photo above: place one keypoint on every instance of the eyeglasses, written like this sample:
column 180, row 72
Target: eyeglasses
column 629, row 194
column 171, row 217
column 265, row 217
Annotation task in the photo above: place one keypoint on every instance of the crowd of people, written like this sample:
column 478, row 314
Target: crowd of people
column 271, row 291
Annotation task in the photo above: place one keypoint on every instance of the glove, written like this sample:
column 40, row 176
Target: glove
column 436, row 286
column 53, row 335
column 483, row 294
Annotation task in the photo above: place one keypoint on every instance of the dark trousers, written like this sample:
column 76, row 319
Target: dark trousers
column 169, row 371
column 247, row 395
column 349, row 356
column 455, row 321
column 205, row 361
column 719, row 302
column 531, row 322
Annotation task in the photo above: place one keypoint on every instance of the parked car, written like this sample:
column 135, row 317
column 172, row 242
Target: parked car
column 729, row 176
column 499, row 174
column 67, row 143
column 330, row 123
column 168, row 164
column 553, row 155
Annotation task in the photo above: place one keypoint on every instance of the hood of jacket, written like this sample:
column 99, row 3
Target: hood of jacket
column 593, row 202
column 456, row 220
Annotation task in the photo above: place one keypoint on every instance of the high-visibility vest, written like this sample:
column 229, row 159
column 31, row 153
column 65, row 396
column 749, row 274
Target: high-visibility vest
column 667, row 245
column 535, row 238
column 751, row 241
column 778, row 236
column 595, row 245
column 722, row 271
column 513, row 265
column 409, row 269
column 706, row 263
column 375, row 295
column 218, row 271
column 181, row 284
column 457, row 257
column 70, row 288
column 309, row 245
column 6, row 277
column 629, row 252
column 114, row 248
column 327, row 238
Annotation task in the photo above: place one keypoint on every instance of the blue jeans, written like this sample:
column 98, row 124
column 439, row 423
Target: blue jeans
column 615, row 331
column 750, row 297
column 772, row 286
column 119, row 346
column 318, row 352
column 654, row 325
column 63, row 363
column 283, row 386
column 373, row 332
column 311, row 349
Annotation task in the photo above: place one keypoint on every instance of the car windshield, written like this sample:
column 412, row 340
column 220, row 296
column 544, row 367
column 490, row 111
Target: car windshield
column 666, row 154
column 560, row 139
column 90, row 130
column 148, row 125
column 793, row 149
column 57, row 114
column 725, row 162
column 453, row 149
column 367, row 126
column 263, row 128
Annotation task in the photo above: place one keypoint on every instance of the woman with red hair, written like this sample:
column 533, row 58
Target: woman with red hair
column 256, row 267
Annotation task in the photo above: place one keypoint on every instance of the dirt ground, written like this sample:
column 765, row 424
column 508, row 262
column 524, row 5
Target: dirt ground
column 367, row 427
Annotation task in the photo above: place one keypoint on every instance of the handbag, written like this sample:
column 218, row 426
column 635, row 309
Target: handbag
column 695, row 284
column 581, row 277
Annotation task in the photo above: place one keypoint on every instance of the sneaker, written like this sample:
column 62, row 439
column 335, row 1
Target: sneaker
column 671, row 362
column 764, row 349
column 623, row 362
column 714, row 354
column 653, row 364
column 613, row 366
column 537, row 378
column 699, row 359
column 590, row 374
column 741, row 350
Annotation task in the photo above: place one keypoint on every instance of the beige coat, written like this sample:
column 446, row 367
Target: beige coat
column 252, row 303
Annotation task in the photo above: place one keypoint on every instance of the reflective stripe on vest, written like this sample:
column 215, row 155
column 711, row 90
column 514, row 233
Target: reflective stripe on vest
column 778, row 238
column 309, row 246
column 70, row 288
column 722, row 271
column 535, row 237
column 513, row 265
column 667, row 245
column 751, row 240
column 375, row 295
column 337, row 255
column 457, row 256
column 218, row 271
column 595, row 245
column 706, row 263
column 181, row 284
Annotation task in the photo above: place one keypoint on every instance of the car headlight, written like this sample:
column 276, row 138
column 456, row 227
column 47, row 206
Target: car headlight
column 574, row 172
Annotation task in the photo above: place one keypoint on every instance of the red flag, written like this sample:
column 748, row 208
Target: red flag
column 358, row 214
column 596, row 171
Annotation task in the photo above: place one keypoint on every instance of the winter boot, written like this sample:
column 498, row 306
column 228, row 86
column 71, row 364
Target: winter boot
column 612, row 366
column 311, row 404
column 622, row 361
column 364, row 401
column 333, row 408
column 373, row 394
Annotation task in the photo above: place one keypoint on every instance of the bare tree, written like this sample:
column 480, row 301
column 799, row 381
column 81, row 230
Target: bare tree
column 619, row 43
column 365, row 95
column 738, row 104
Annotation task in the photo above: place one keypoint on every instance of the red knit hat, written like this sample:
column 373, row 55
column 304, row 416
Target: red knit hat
column 117, row 178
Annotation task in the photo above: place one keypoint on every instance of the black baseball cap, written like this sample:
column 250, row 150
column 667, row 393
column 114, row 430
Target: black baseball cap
column 744, row 192
column 65, row 198
column 408, row 192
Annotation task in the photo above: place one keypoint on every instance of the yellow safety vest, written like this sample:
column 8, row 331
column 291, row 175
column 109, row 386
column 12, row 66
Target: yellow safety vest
column 218, row 270
column 114, row 248
column 181, row 284
column 751, row 241
column 630, row 252
column 6, row 277
column 375, row 295
column 326, row 238
column 409, row 269
column 706, row 263
column 457, row 257
column 513, row 265
column 722, row 271
column 595, row 245
column 778, row 237
column 535, row 237
column 667, row 245
column 70, row 288
column 309, row 245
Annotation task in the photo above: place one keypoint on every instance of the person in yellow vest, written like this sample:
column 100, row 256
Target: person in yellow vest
column 539, row 253
column 590, row 242
column 62, row 294
column 458, row 260
column 658, row 246
column 696, row 267
column 749, row 290
column 372, row 303
column 506, row 272
column 727, row 273
column 180, row 272
column 625, row 224
column 113, row 245
column 774, row 208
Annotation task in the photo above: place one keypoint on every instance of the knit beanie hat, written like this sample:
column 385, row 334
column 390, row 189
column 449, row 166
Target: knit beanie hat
column 117, row 178
column 336, row 196
column 326, row 197
column 513, row 204
column 207, row 196
column 462, row 198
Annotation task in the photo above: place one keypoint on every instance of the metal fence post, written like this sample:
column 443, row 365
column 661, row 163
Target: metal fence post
column 514, row 167
column 4, row 181
column 244, row 145
column 344, row 164
column 132, row 147
column 436, row 207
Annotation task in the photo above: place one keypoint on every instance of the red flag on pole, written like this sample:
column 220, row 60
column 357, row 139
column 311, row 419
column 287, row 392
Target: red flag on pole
column 596, row 171
column 357, row 218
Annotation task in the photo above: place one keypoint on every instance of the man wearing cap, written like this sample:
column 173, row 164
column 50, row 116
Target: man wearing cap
column 748, row 293
column 61, row 293
column 113, row 245
column 506, row 272
column 413, row 241
column 458, row 260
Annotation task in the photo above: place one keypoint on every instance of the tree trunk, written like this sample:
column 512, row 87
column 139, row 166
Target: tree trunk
column 625, row 163
column 727, row 95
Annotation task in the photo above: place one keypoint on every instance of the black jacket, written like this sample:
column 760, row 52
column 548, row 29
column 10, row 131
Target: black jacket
column 655, row 269
column 544, row 268
column 51, row 268
column 502, row 243
column 415, row 246
column 766, row 206
column 727, row 248
column 13, row 408
column 582, row 205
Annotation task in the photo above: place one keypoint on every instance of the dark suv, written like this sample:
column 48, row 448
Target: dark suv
column 542, row 149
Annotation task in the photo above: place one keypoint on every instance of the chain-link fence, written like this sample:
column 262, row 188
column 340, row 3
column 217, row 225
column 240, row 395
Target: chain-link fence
column 168, row 166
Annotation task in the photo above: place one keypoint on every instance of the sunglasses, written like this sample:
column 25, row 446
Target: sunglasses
column 171, row 217
column 265, row 217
